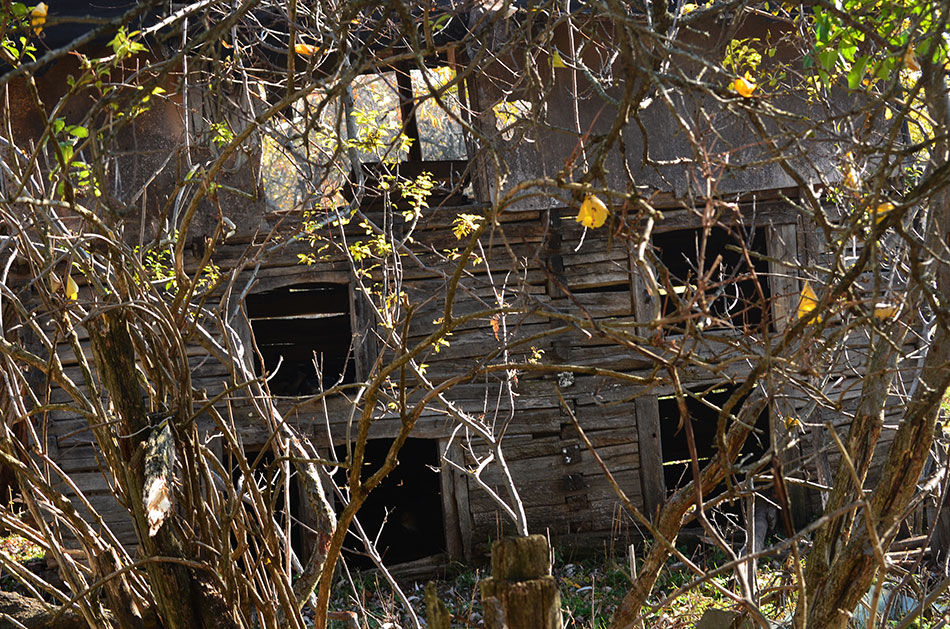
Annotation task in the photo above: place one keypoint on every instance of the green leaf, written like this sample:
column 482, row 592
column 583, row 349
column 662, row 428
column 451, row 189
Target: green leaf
column 828, row 58
column 885, row 68
column 848, row 51
column 856, row 74
column 67, row 150
column 78, row 131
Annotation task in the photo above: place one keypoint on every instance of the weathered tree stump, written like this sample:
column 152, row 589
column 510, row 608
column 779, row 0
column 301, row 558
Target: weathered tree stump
column 437, row 614
column 521, row 591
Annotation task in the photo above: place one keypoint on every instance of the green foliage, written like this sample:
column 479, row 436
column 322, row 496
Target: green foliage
column 125, row 45
column 417, row 192
column 221, row 134
column 18, row 48
column 19, row 27
column 158, row 264
column 742, row 56
column 465, row 224
column 379, row 134
column 902, row 30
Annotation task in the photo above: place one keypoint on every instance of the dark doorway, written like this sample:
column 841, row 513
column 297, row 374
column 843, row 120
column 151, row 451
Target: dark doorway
column 676, row 458
column 294, row 324
column 407, row 504
column 732, row 299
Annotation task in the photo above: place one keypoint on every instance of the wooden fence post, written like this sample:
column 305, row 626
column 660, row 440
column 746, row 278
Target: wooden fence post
column 521, row 590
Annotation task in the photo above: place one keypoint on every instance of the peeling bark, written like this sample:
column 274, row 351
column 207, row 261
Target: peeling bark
column 184, row 598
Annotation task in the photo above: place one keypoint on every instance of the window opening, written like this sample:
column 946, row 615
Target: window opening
column 440, row 135
column 296, row 325
column 731, row 299
column 389, row 103
column 676, row 457
column 402, row 131
column 407, row 505
column 377, row 114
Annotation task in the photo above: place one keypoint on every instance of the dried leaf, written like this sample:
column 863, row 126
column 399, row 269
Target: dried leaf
column 744, row 86
column 885, row 311
column 38, row 17
column 495, row 325
column 910, row 59
column 593, row 212
column 72, row 289
column 305, row 49
column 807, row 302
column 882, row 210
column 851, row 178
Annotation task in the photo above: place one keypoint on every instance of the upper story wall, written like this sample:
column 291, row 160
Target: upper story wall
column 688, row 134
column 155, row 141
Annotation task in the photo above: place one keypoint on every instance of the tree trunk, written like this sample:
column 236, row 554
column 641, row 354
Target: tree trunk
column 852, row 571
column 184, row 598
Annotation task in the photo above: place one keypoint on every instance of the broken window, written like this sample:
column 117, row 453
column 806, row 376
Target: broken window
column 408, row 126
column 719, row 262
column 405, row 510
column 424, row 108
column 304, row 333
column 440, row 135
column 704, row 415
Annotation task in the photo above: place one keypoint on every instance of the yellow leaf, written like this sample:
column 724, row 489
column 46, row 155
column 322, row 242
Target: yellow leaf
column 744, row 86
column 593, row 212
column 885, row 311
column 305, row 49
column 38, row 17
column 688, row 8
column 910, row 59
column 792, row 422
column 556, row 60
column 808, row 302
column 881, row 211
column 72, row 289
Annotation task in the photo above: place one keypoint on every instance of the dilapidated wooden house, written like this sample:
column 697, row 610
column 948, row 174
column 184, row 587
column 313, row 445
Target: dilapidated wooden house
column 588, row 323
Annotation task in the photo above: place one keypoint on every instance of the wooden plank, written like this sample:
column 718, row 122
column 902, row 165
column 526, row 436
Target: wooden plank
column 783, row 247
column 450, row 506
column 652, row 485
column 463, row 508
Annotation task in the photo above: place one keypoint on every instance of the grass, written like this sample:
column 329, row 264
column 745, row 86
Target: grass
column 591, row 590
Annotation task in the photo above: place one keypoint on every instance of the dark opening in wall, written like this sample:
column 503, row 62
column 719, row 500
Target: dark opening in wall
column 731, row 295
column 294, row 324
column 676, row 458
column 407, row 504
